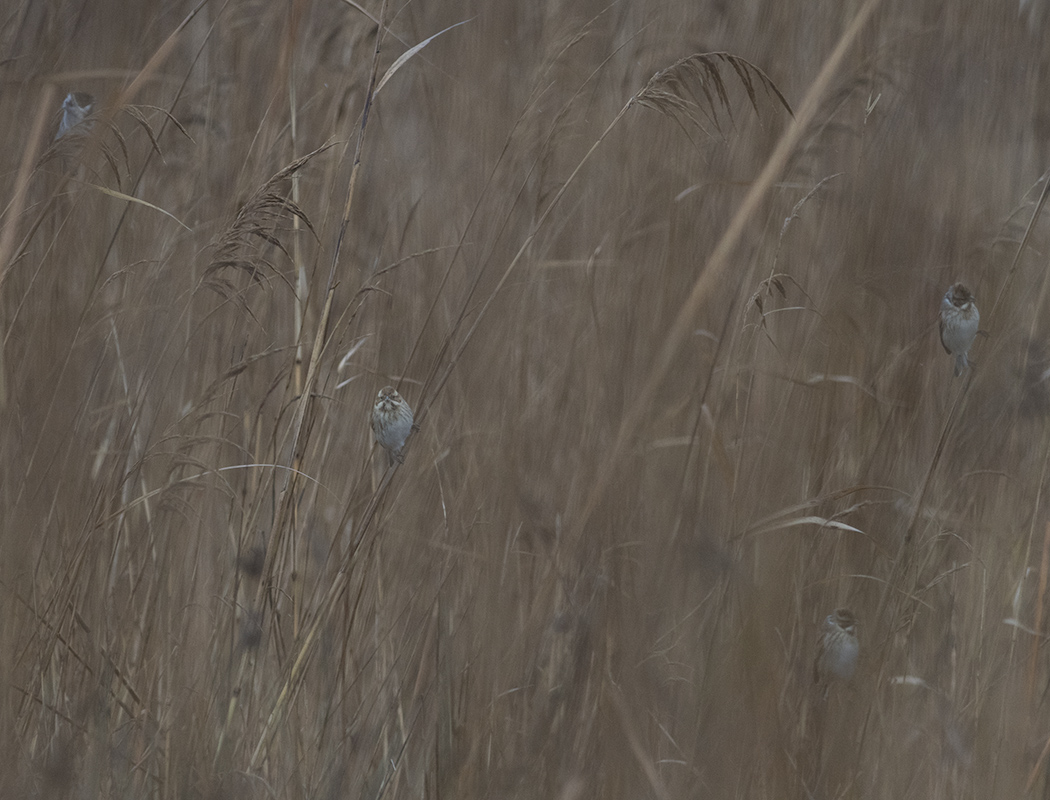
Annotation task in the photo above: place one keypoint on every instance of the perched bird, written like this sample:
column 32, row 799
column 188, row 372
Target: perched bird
column 959, row 321
column 75, row 110
column 837, row 649
column 391, row 422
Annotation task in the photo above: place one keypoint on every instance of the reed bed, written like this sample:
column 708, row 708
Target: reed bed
column 661, row 282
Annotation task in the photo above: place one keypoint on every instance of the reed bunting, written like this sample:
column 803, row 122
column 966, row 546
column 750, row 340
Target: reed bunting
column 959, row 321
column 75, row 110
column 391, row 422
column 837, row 649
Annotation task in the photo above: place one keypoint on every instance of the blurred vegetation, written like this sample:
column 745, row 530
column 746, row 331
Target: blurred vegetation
column 678, row 400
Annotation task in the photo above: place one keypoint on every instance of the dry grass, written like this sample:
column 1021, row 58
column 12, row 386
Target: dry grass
column 674, row 355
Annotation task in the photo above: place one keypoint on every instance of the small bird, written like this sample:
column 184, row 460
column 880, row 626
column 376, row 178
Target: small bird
column 959, row 321
column 837, row 649
column 75, row 110
column 392, row 422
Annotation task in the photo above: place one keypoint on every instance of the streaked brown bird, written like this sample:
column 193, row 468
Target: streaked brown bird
column 75, row 110
column 391, row 422
column 959, row 321
column 837, row 649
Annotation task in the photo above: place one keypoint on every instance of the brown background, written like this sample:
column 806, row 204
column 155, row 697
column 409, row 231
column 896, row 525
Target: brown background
column 210, row 589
